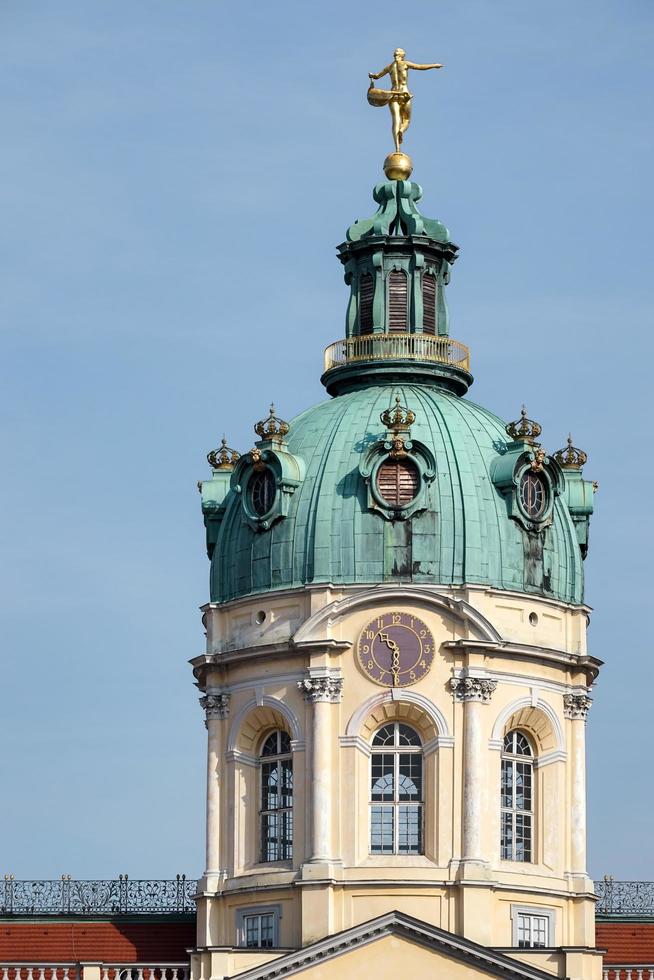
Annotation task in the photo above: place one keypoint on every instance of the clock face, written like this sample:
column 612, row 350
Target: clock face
column 396, row 649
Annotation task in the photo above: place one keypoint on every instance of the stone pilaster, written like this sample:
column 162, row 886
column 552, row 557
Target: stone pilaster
column 216, row 708
column 576, row 706
column 474, row 692
column 321, row 692
column 575, row 709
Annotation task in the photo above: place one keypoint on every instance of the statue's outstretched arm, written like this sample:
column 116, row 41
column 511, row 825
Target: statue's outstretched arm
column 380, row 74
column 410, row 64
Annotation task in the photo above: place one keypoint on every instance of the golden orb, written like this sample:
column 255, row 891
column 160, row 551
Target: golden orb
column 398, row 166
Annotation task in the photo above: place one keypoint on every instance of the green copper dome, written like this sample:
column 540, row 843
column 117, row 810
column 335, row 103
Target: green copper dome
column 398, row 478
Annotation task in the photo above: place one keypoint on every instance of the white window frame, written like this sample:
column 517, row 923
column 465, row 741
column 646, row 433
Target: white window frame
column 531, row 912
column 254, row 911
column 513, row 811
column 397, row 750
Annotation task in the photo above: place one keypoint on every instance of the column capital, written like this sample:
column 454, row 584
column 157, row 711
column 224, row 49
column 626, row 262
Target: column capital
column 327, row 688
column 215, row 705
column 576, row 706
column 472, row 688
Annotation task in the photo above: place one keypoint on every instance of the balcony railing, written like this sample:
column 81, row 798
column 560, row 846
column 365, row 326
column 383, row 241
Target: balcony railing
column 626, row 898
column 106, row 971
column 66, row 896
column 398, row 346
column 635, row 971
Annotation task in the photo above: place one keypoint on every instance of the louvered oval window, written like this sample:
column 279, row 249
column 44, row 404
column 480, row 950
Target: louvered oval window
column 398, row 481
column 429, row 303
column 397, row 300
column 366, row 292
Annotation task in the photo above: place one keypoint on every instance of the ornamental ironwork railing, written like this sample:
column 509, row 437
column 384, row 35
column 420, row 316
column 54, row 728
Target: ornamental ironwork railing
column 624, row 897
column 66, row 896
column 398, row 346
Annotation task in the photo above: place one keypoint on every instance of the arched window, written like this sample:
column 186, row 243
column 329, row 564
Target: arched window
column 397, row 300
column 276, row 809
column 429, row 303
column 517, row 798
column 396, row 796
column 366, row 293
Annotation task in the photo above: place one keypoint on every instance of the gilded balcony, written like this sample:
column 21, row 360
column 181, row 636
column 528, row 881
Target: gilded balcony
column 398, row 347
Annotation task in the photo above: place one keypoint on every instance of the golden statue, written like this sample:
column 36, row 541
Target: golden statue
column 398, row 165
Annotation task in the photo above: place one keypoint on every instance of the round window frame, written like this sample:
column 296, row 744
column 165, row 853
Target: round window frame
column 261, row 519
column 385, row 504
column 396, row 461
column 546, row 512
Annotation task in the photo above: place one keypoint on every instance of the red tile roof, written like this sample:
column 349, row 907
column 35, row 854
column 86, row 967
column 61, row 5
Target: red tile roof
column 626, row 942
column 108, row 942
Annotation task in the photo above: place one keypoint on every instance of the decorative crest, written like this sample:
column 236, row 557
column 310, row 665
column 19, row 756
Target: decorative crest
column 223, row 458
column 398, row 421
column 571, row 458
column 524, row 430
column 272, row 427
column 538, row 460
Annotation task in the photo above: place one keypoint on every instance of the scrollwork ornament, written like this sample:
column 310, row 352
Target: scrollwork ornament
column 472, row 689
column 215, row 706
column 322, row 689
column 576, row 706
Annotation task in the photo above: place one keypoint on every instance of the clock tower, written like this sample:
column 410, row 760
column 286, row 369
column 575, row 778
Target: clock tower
column 396, row 678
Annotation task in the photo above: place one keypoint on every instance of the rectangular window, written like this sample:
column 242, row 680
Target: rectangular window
column 258, row 928
column 532, row 928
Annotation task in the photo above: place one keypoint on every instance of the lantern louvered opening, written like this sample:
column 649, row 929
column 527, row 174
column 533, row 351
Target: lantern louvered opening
column 429, row 303
column 397, row 481
column 397, row 300
column 366, row 291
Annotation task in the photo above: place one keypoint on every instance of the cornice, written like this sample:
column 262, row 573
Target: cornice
column 526, row 651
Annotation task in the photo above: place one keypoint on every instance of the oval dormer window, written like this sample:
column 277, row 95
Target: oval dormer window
column 533, row 495
column 398, row 481
column 262, row 492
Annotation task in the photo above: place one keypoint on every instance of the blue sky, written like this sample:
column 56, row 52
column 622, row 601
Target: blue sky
column 173, row 181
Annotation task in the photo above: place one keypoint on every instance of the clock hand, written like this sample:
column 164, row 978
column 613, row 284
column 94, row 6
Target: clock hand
column 395, row 660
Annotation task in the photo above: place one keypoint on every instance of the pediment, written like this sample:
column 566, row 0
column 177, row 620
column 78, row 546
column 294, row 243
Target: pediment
column 391, row 947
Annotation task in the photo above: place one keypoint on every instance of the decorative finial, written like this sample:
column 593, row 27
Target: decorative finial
column 524, row 430
column 223, row 458
column 398, row 421
column 397, row 165
column 272, row 427
column 571, row 458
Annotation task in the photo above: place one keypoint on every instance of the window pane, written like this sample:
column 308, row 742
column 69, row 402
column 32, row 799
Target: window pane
column 270, row 745
column 286, row 777
column 522, row 746
column 269, row 786
column 385, row 736
column 408, row 829
column 381, row 830
column 522, row 837
column 267, row 929
column 410, row 781
column 284, row 743
column 507, row 836
column 507, row 783
column 523, row 786
column 524, row 931
column 381, row 768
column 285, row 835
column 251, row 930
column 407, row 736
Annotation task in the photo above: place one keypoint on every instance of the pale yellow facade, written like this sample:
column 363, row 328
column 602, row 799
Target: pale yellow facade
column 287, row 661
